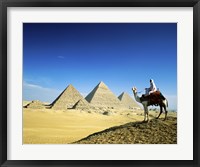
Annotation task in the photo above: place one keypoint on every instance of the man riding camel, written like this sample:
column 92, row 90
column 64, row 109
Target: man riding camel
column 151, row 89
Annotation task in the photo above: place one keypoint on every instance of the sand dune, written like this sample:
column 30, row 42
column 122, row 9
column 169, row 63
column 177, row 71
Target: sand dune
column 154, row 132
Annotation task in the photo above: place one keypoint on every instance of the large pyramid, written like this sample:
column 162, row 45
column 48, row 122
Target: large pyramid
column 101, row 96
column 128, row 101
column 67, row 99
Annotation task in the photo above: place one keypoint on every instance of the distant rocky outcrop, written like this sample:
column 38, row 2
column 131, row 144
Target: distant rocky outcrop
column 35, row 104
column 102, row 96
column 67, row 99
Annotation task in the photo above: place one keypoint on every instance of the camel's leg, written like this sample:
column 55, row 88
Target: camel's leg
column 160, row 112
column 165, row 112
column 147, row 112
column 144, row 115
column 144, row 112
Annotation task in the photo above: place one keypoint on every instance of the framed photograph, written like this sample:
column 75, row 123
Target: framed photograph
column 99, row 83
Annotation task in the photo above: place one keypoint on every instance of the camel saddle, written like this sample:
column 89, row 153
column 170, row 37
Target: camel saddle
column 154, row 98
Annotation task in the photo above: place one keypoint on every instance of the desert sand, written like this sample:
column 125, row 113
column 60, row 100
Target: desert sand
column 48, row 126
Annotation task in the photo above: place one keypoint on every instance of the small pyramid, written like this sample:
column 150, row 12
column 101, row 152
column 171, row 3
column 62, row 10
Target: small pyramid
column 101, row 96
column 128, row 101
column 35, row 104
column 82, row 104
column 67, row 99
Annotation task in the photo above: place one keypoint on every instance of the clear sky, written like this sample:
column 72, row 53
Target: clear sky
column 122, row 55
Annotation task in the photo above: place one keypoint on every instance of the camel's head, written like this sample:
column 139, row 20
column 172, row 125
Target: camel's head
column 134, row 89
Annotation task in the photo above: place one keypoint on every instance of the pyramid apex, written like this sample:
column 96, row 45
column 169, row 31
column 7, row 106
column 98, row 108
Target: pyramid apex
column 101, row 84
column 125, row 93
column 70, row 86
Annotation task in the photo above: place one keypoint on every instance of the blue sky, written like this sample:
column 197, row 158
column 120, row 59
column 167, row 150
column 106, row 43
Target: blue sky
column 121, row 55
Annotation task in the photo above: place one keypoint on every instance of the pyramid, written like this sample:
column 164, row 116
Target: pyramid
column 128, row 101
column 35, row 104
column 67, row 99
column 82, row 104
column 101, row 96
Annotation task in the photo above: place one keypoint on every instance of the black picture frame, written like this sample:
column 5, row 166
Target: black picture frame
column 4, row 4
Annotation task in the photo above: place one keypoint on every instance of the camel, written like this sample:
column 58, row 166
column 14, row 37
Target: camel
column 163, row 104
